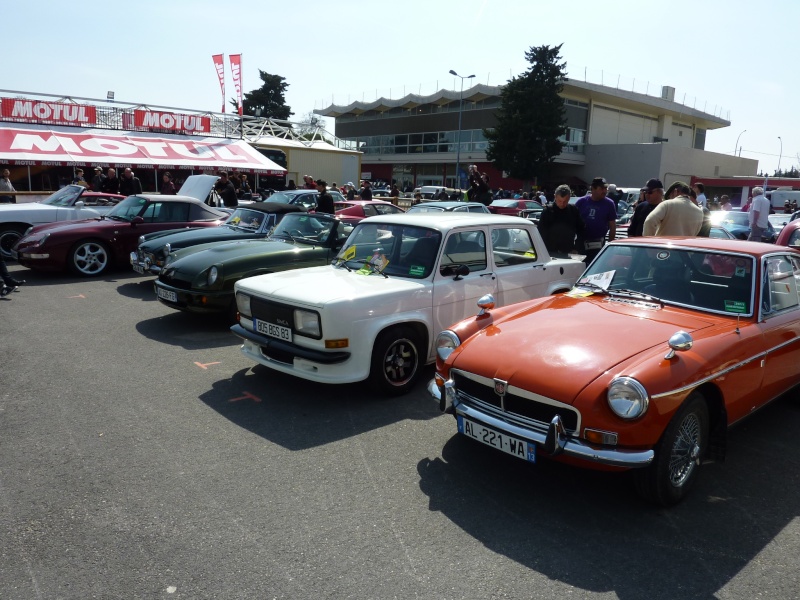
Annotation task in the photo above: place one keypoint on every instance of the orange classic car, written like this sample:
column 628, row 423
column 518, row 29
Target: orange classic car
column 661, row 345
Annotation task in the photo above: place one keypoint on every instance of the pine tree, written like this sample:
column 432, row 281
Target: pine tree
column 531, row 117
column 269, row 98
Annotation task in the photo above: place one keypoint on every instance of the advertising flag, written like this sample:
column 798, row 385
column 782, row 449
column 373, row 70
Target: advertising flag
column 236, row 72
column 219, row 65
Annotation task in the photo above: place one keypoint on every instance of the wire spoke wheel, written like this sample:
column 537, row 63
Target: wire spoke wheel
column 685, row 451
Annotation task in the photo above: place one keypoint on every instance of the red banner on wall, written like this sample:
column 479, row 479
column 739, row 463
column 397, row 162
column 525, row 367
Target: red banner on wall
column 163, row 121
column 219, row 65
column 51, row 113
column 236, row 73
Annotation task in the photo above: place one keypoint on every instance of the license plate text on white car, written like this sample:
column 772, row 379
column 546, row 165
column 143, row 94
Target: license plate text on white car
column 167, row 295
column 495, row 439
column 272, row 330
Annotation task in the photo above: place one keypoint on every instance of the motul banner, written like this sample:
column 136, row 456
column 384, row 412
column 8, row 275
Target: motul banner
column 219, row 65
column 55, row 113
column 176, row 122
column 64, row 146
column 236, row 73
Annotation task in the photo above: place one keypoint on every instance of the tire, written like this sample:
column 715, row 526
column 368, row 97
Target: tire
column 678, row 454
column 89, row 258
column 9, row 236
column 396, row 362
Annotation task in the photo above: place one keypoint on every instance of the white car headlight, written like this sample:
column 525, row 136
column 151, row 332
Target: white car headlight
column 213, row 274
column 446, row 342
column 627, row 398
column 141, row 240
column 306, row 323
column 243, row 305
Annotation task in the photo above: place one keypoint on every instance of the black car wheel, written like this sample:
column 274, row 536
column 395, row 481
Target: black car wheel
column 9, row 236
column 396, row 361
column 89, row 258
column 677, row 455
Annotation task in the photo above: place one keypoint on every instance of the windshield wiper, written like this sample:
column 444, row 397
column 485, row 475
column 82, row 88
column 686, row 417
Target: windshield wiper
column 592, row 286
column 341, row 262
column 636, row 294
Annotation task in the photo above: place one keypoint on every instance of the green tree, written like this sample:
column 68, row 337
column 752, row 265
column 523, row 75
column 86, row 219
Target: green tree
column 531, row 118
column 269, row 98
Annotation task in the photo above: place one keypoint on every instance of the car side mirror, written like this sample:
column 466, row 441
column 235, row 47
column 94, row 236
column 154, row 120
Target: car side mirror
column 137, row 220
column 458, row 271
column 79, row 204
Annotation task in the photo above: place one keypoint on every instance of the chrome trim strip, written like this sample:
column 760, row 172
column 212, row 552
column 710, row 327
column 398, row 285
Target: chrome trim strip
column 710, row 377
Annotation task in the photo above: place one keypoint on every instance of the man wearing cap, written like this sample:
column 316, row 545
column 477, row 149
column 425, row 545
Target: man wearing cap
column 366, row 191
column 324, row 200
column 653, row 195
column 599, row 217
column 675, row 216
column 98, row 179
column 759, row 215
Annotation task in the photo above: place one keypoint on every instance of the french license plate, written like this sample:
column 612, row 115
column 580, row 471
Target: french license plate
column 272, row 330
column 138, row 268
column 167, row 295
column 495, row 439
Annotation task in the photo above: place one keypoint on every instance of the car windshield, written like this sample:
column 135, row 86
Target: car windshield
column 305, row 228
column 65, row 196
column 720, row 282
column 282, row 198
column 248, row 219
column 505, row 203
column 132, row 206
column 728, row 218
column 394, row 250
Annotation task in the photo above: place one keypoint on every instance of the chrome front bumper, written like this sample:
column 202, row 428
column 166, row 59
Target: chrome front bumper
column 554, row 442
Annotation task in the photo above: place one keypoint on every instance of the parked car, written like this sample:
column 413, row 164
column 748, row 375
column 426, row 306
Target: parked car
column 779, row 221
column 398, row 280
column 662, row 344
column 448, row 206
column 511, row 206
column 92, row 246
column 201, row 278
column 306, row 198
column 70, row 203
column 738, row 224
column 353, row 211
column 250, row 221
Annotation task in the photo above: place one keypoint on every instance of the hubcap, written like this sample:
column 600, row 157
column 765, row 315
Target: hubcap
column 685, row 453
column 91, row 258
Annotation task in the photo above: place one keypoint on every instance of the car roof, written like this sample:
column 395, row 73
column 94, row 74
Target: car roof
column 757, row 249
column 188, row 199
column 450, row 203
column 362, row 202
column 448, row 220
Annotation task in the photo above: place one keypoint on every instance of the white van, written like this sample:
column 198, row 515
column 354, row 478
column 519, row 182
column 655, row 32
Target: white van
column 778, row 198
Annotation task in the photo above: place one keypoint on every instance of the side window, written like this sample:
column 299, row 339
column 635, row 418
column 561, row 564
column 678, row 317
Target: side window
column 152, row 212
column 794, row 239
column 369, row 210
column 478, row 209
column 512, row 246
column 465, row 248
column 780, row 289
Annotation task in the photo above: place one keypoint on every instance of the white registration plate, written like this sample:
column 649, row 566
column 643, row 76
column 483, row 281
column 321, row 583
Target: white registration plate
column 167, row 295
column 495, row 439
column 138, row 268
column 272, row 330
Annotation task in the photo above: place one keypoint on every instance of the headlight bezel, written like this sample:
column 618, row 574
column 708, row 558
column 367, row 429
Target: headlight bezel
column 243, row 304
column 446, row 342
column 627, row 398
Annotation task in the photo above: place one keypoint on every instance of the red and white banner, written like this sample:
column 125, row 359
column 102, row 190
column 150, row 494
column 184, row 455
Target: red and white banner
column 70, row 146
column 219, row 65
column 236, row 73
column 51, row 113
column 179, row 123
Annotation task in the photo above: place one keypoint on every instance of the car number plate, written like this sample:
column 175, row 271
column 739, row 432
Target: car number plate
column 495, row 439
column 138, row 268
column 167, row 295
column 272, row 330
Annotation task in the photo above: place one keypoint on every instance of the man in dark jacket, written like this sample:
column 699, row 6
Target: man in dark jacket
column 560, row 223
column 324, row 200
column 653, row 195
column 226, row 190
column 128, row 184
column 111, row 182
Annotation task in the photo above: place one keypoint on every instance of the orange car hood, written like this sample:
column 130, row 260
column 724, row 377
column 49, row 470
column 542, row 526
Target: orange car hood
column 558, row 347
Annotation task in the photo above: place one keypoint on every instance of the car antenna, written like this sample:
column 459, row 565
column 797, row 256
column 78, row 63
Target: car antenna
column 738, row 317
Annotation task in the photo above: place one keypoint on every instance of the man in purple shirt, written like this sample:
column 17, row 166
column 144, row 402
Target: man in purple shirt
column 599, row 216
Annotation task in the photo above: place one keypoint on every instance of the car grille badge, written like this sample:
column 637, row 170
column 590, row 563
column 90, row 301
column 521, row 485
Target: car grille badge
column 500, row 388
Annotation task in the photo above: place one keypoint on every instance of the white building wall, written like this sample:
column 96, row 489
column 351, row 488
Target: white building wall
column 681, row 135
column 613, row 126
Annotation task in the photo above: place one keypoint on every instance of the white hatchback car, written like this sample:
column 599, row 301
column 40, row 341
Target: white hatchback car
column 398, row 280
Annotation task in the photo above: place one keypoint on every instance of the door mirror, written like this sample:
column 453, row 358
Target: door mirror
column 137, row 220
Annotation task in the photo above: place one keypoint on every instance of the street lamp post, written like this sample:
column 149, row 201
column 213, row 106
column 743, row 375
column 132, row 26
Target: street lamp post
column 737, row 142
column 458, row 139
column 780, row 156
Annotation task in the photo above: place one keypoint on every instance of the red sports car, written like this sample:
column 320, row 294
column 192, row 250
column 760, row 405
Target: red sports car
column 352, row 211
column 91, row 246
column 514, row 207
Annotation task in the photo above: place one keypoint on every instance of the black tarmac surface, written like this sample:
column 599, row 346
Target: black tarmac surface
column 142, row 456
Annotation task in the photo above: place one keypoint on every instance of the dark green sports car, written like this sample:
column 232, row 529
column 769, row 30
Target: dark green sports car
column 200, row 278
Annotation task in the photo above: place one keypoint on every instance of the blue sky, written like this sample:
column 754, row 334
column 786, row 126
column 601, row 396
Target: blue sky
column 730, row 58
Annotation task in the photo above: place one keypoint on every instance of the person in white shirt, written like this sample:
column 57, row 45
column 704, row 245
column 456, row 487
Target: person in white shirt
column 700, row 190
column 759, row 215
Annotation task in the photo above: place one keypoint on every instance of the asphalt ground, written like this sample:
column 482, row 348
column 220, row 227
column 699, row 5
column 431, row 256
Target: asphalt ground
column 142, row 456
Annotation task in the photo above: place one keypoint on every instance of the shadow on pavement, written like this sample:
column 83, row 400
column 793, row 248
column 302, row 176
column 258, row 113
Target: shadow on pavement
column 588, row 529
column 189, row 331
